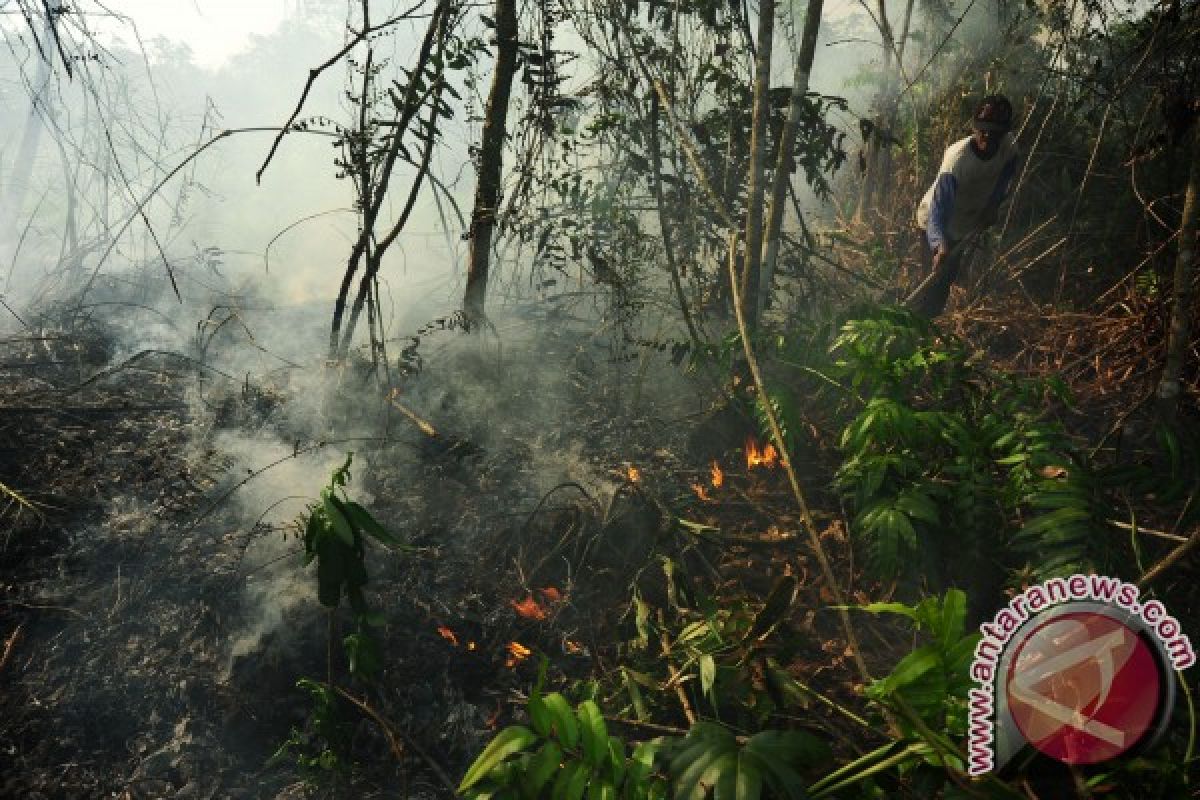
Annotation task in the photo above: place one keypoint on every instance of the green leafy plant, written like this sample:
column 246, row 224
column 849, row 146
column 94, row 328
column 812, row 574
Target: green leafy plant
column 946, row 454
column 566, row 751
column 318, row 750
column 335, row 530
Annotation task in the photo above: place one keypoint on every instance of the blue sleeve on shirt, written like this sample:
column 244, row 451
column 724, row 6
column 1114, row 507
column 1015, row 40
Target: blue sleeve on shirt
column 940, row 208
column 1003, row 183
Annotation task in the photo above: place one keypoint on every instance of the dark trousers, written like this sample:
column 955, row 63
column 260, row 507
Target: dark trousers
column 929, row 300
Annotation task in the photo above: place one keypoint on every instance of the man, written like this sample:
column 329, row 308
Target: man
column 973, row 180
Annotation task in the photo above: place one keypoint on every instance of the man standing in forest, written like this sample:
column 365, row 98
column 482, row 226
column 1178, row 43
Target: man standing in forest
column 965, row 199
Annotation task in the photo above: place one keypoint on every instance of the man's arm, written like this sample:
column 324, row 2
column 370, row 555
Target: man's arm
column 939, row 212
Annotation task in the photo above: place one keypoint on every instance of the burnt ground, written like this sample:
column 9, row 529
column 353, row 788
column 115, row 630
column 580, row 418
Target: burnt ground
column 155, row 620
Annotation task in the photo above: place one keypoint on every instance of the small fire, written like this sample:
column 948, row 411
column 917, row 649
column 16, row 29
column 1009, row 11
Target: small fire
column 764, row 457
column 448, row 635
column 529, row 608
column 701, row 492
column 716, row 475
column 551, row 594
column 633, row 473
column 517, row 653
column 573, row 648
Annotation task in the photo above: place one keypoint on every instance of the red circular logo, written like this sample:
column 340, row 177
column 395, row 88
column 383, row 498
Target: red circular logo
column 1084, row 687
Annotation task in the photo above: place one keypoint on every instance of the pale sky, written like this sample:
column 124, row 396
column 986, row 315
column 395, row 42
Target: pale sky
column 215, row 30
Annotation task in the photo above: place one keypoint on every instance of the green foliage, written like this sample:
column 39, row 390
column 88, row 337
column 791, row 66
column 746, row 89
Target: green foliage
column 335, row 530
column 934, row 678
column 318, row 750
column 569, row 750
column 948, row 455
column 335, row 533
column 725, row 653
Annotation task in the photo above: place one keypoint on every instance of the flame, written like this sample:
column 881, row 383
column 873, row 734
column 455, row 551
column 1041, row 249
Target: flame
column 471, row 645
column 529, row 608
column 551, row 594
column 572, row 648
column 701, row 492
column 448, row 635
column 764, row 457
column 633, row 473
column 517, row 653
column 716, row 475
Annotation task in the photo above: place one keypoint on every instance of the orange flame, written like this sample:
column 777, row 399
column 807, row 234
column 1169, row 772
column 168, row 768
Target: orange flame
column 551, row 594
column 716, row 475
column 448, row 635
column 633, row 473
column 766, row 457
column 701, row 492
column 517, row 653
column 529, row 608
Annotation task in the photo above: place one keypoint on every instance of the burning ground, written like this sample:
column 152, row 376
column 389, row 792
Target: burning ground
column 156, row 618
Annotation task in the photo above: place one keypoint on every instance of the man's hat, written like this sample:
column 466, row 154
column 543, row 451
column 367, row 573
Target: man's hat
column 994, row 115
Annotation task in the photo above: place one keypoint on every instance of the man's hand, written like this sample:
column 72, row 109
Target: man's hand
column 939, row 255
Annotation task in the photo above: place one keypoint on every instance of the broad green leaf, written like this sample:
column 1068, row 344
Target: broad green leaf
column 912, row 667
column 635, row 695
column 510, row 740
column 616, row 759
column 562, row 719
column 541, row 769
column 594, row 733
column 954, row 617
column 366, row 523
column 697, row 775
column 748, row 782
column 641, row 763
column 336, row 520
column 539, row 714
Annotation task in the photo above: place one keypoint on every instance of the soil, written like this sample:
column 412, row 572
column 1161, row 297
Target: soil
column 155, row 620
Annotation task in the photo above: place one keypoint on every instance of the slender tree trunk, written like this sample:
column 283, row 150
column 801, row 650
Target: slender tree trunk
column 883, row 157
column 758, row 159
column 491, row 160
column 377, row 194
column 787, row 143
column 866, row 198
column 668, row 244
column 1169, row 387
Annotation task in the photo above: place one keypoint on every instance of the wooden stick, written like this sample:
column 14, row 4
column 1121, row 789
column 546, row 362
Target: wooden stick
column 425, row 427
column 10, row 645
column 395, row 735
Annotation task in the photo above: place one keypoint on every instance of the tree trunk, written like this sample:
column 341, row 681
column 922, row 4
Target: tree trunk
column 758, row 159
column 668, row 245
column 491, row 160
column 376, row 195
column 870, row 182
column 1169, row 387
column 883, row 156
column 787, row 144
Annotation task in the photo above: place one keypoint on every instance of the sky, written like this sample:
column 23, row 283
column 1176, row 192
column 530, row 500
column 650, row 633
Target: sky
column 215, row 30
